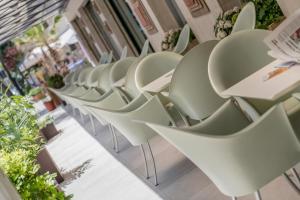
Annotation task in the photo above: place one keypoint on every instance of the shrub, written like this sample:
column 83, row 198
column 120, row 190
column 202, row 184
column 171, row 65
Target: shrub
column 56, row 81
column 19, row 134
column 267, row 12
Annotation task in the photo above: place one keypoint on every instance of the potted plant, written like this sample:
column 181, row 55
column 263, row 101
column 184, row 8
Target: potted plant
column 225, row 22
column 56, row 81
column 37, row 93
column 48, row 129
column 171, row 39
column 48, row 103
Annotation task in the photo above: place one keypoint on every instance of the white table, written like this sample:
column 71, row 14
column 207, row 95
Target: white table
column 160, row 83
column 256, row 86
column 119, row 83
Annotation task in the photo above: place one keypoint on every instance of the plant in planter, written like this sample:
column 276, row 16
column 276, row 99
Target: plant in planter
column 170, row 40
column 47, row 128
column 48, row 103
column 268, row 15
column 19, row 149
column 225, row 22
column 36, row 93
column 56, row 81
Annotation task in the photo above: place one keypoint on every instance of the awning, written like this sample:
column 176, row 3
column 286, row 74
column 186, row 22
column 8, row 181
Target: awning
column 18, row 15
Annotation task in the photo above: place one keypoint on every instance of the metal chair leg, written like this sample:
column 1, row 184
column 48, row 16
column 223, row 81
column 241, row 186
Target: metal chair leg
column 292, row 183
column 145, row 159
column 112, row 136
column 154, row 165
column 82, row 117
column 295, row 173
column 93, row 124
column 74, row 111
column 115, row 139
column 257, row 195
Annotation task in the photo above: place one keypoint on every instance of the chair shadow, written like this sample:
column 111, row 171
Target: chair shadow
column 75, row 173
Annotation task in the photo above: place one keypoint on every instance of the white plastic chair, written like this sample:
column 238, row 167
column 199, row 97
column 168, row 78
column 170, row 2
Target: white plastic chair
column 246, row 19
column 183, row 40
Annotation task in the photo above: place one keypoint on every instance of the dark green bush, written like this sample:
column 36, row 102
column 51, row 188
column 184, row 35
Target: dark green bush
column 267, row 12
column 56, row 81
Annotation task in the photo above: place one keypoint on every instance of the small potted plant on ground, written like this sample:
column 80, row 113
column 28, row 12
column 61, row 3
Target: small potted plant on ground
column 37, row 93
column 48, row 103
column 48, row 129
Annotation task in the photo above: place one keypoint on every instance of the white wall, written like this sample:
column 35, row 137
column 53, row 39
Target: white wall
column 202, row 26
column 289, row 6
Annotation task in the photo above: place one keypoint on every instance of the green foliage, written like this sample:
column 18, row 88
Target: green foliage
column 267, row 12
column 35, row 91
column 47, row 120
column 22, row 170
column 19, row 146
column 56, row 81
column 225, row 22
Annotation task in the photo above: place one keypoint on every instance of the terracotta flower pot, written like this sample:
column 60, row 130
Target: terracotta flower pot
column 48, row 165
column 49, row 131
column 49, row 105
column 38, row 96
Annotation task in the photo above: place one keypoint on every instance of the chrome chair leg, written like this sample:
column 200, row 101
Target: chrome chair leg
column 93, row 124
column 146, row 164
column 81, row 116
column 154, row 165
column 257, row 195
column 292, row 183
column 112, row 136
column 115, row 139
column 295, row 173
column 74, row 111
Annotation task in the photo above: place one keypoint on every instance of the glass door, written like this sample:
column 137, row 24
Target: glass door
column 126, row 19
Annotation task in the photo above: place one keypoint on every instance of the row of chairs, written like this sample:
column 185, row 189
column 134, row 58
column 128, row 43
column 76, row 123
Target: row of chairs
column 240, row 144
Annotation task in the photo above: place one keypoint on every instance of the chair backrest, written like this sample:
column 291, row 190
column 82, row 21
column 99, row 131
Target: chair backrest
column 68, row 78
column 190, row 89
column 237, row 166
column 145, row 49
column 93, row 78
column 130, row 84
column 236, row 57
column 246, row 19
column 154, row 66
column 103, row 80
column 103, row 58
column 120, row 68
column 183, row 40
column 74, row 78
column 84, row 74
column 110, row 57
column 124, row 53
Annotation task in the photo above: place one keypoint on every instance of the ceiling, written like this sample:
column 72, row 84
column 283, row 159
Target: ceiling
column 16, row 16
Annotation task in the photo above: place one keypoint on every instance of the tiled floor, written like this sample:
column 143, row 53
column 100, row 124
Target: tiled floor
column 179, row 179
column 91, row 172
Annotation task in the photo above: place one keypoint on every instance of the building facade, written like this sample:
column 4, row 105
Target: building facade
column 109, row 25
